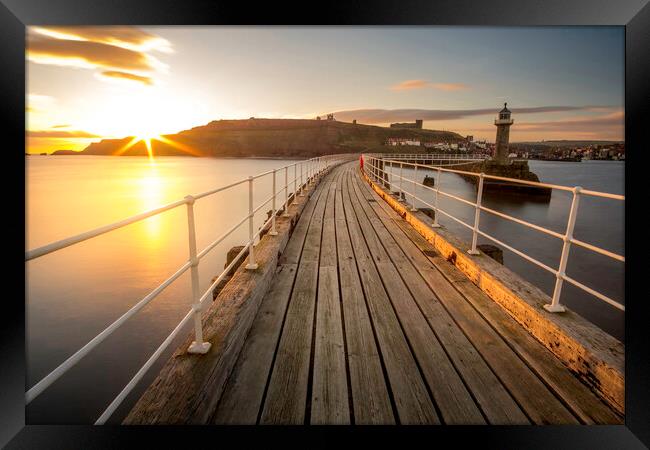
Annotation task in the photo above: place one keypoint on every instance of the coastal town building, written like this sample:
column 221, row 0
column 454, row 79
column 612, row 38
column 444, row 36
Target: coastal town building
column 394, row 141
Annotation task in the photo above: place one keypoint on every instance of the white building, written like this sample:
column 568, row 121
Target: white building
column 403, row 141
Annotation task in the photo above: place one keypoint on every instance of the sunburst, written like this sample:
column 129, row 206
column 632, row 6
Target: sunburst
column 148, row 142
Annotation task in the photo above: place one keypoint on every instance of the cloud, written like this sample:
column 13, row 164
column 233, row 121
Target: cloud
column 128, row 37
column 449, row 86
column 397, row 115
column 609, row 126
column 615, row 120
column 408, row 85
column 86, row 54
column 115, row 74
column 38, row 102
column 58, row 134
column 117, row 52
column 61, row 126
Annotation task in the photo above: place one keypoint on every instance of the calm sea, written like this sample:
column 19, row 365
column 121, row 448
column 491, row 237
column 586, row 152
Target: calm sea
column 600, row 222
column 73, row 294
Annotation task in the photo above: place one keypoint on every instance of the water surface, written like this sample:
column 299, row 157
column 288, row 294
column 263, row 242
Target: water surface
column 600, row 222
column 73, row 294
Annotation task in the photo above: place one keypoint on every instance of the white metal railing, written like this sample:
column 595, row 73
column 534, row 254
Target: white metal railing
column 466, row 157
column 310, row 170
column 375, row 167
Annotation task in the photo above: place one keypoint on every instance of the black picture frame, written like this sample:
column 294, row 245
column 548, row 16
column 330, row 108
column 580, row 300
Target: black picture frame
column 633, row 14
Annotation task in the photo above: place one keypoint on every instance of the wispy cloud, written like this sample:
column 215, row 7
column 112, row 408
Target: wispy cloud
column 611, row 121
column 59, row 134
column 609, row 126
column 128, row 37
column 126, row 76
column 408, row 85
column 85, row 54
column 449, row 86
column 118, row 52
column 395, row 115
column 38, row 102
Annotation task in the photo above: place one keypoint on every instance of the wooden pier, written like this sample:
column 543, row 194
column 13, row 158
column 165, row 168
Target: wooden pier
column 363, row 322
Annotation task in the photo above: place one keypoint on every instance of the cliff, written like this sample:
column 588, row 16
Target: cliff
column 271, row 138
column 65, row 152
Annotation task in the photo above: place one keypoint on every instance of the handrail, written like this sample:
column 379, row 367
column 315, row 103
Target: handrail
column 380, row 173
column 310, row 169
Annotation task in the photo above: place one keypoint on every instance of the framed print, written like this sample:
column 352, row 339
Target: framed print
column 383, row 220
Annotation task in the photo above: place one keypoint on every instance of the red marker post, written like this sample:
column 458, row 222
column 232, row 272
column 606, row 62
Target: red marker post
column 361, row 162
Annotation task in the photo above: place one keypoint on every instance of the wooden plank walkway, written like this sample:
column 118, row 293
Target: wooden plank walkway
column 366, row 324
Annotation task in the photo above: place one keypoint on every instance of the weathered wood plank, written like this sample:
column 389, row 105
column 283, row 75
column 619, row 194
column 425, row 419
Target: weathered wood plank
column 286, row 397
column 293, row 250
column 594, row 356
column 578, row 397
column 370, row 398
column 411, row 398
column 243, row 394
column 329, row 401
column 540, row 404
column 494, row 400
column 586, row 405
column 330, row 387
column 188, row 386
column 454, row 401
column 242, row 397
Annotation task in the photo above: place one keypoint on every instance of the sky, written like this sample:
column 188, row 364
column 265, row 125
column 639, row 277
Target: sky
column 87, row 83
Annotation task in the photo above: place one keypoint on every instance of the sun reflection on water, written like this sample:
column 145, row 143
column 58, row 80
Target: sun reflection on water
column 151, row 193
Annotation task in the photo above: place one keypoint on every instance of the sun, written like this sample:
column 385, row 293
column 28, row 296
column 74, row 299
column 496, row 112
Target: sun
column 147, row 137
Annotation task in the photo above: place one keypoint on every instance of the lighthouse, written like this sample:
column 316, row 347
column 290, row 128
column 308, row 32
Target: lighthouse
column 503, row 135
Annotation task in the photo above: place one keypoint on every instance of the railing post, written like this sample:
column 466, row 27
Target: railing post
column 295, row 183
column 415, row 186
column 401, row 180
column 308, row 172
column 555, row 305
column 286, row 192
column 375, row 166
column 302, row 184
column 437, row 182
column 274, row 211
column 477, row 215
column 252, row 265
column 198, row 346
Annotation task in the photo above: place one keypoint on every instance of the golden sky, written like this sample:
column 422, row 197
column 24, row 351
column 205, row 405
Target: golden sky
column 86, row 83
